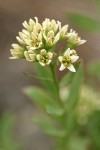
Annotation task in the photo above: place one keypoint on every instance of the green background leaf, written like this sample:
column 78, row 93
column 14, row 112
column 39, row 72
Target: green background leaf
column 49, row 128
column 94, row 69
column 66, row 79
column 39, row 96
column 84, row 22
column 75, row 88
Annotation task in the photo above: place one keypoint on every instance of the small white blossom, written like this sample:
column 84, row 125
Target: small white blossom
column 49, row 25
column 44, row 57
column 17, row 52
column 51, row 39
column 74, row 39
column 63, row 32
column 31, row 36
column 30, row 25
column 68, row 59
column 30, row 55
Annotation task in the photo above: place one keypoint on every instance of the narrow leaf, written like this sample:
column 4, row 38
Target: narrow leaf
column 66, row 79
column 39, row 96
column 49, row 128
column 55, row 111
column 37, row 77
column 75, row 88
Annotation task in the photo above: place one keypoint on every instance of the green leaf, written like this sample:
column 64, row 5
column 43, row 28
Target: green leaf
column 75, row 88
column 49, row 129
column 55, row 111
column 84, row 22
column 78, row 143
column 66, row 79
column 39, row 96
column 45, row 72
column 37, row 77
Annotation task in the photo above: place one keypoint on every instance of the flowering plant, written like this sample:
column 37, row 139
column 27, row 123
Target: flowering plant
column 60, row 100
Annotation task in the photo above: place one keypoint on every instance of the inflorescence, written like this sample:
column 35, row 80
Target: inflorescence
column 37, row 43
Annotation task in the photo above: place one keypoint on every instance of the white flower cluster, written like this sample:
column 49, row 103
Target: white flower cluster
column 37, row 42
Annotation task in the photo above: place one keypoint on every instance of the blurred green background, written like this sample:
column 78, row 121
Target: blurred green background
column 12, row 79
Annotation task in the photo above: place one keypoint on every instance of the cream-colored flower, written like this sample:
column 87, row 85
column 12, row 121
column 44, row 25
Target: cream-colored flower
column 30, row 55
column 74, row 39
column 17, row 52
column 68, row 59
column 63, row 31
column 37, row 37
column 49, row 25
column 29, row 25
column 31, row 36
column 44, row 57
column 51, row 39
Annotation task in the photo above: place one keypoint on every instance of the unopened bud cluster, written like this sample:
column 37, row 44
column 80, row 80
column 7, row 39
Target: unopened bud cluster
column 37, row 42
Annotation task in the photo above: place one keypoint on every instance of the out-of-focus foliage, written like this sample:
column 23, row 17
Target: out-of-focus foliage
column 84, row 22
column 60, row 125
column 94, row 69
column 6, row 138
column 75, row 89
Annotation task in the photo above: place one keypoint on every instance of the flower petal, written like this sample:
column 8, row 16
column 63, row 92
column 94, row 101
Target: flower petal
column 60, row 58
column 71, row 68
column 43, row 52
column 74, row 58
column 67, row 53
column 50, row 34
column 42, row 64
column 50, row 55
column 56, row 39
column 38, row 57
column 62, row 67
column 49, row 61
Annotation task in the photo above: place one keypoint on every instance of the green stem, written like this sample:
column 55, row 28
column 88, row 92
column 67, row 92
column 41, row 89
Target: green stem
column 62, row 144
column 56, row 82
